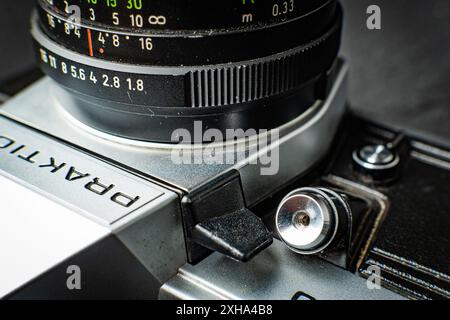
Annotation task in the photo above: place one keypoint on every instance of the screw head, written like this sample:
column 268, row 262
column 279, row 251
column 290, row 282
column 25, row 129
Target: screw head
column 301, row 219
column 375, row 158
column 376, row 154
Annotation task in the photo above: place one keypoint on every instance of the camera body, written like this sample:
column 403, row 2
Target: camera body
column 130, row 207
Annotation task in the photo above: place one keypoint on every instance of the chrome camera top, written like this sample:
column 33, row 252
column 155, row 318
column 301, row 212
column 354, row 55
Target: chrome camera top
column 203, row 150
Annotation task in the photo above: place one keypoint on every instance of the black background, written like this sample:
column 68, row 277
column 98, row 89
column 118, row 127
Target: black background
column 399, row 75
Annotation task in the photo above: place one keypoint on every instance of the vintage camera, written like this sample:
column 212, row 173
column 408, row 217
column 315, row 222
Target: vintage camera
column 194, row 149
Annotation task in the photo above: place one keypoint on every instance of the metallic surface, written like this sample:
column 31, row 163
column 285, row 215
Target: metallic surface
column 60, row 217
column 376, row 154
column 37, row 233
column 277, row 273
column 311, row 133
column 61, row 172
column 376, row 157
column 153, row 232
column 313, row 234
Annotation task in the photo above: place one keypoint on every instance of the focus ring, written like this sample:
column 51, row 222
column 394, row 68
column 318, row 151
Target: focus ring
column 184, row 15
column 180, row 49
column 241, row 83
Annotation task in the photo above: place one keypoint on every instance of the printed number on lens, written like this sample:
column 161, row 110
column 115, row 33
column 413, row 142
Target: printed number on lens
column 146, row 43
column 283, row 8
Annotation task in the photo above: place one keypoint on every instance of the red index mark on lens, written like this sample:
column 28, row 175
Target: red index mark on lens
column 91, row 49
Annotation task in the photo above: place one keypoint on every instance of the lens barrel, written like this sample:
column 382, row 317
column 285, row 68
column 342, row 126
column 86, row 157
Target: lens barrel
column 143, row 81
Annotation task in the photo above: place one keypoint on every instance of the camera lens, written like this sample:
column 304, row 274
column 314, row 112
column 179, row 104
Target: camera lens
column 142, row 69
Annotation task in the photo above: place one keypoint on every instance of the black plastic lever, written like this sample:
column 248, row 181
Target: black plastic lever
column 240, row 235
column 216, row 218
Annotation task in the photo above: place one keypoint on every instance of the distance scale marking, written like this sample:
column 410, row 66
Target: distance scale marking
column 198, row 15
column 184, row 49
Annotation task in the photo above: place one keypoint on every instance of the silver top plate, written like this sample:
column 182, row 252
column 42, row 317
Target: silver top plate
column 92, row 187
column 276, row 273
column 301, row 144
